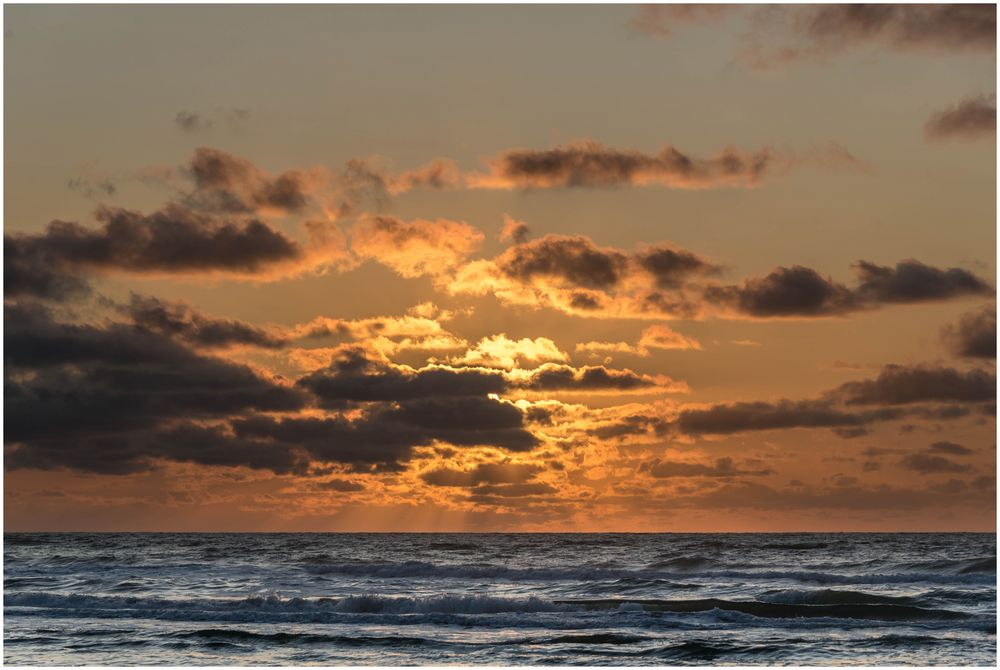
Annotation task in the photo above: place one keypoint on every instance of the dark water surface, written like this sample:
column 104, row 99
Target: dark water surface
column 399, row 599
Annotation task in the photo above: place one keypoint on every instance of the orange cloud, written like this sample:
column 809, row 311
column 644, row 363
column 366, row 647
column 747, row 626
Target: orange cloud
column 655, row 337
column 414, row 248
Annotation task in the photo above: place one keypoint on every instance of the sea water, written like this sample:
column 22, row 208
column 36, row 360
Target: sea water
column 499, row 599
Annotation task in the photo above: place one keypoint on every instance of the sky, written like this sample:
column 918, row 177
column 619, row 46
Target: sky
column 500, row 268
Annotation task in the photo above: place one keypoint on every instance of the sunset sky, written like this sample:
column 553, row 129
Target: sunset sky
column 567, row 268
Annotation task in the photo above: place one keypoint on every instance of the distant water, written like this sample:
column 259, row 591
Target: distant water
column 399, row 599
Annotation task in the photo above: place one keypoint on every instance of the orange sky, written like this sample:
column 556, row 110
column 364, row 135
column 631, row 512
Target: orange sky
column 663, row 269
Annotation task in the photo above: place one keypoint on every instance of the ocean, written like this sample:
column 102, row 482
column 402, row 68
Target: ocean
column 499, row 599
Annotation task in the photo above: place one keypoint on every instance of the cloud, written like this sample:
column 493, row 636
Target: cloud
column 514, row 231
column 933, row 393
column 577, row 276
column 928, row 464
column 973, row 118
column 438, row 174
column 483, row 473
column 195, row 122
column 90, row 184
column 654, row 337
column 116, row 398
column 569, row 260
column 487, row 493
column 171, row 240
column 573, row 274
column 913, row 281
column 228, row 183
column 900, row 385
column 179, row 320
column 975, row 334
column 781, row 35
column 950, row 448
column 752, row 495
column 354, row 377
column 340, row 485
column 191, row 121
column 802, row 292
column 950, row 27
column 796, row 291
column 174, row 240
column 671, row 267
column 722, row 467
column 419, row 329
column 87, row 396
column 591, row 379
column 662, row 20
column 414, row 248
column 30, row 271
column 499, row 351
column 591, row 164
column 741, row 417
column 384, row 435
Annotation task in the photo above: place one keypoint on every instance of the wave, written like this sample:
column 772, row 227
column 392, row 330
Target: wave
column 796, row 546
column 682, row 569
column 237, row 635
column 833, row 597
column 770, row 610
column 986, row 564
column 365, row 604
column 466, row 604
column 683, row 563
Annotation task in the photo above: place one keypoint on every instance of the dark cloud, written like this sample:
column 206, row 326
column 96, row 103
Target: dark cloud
column 191, row 122
column 671, row 267
column 898, row 385
column 951, row 27
column 722, row 467
column 77, row 395
column 913, row 281
column 29, row 270
column 353, row 377
column 795, row 291
column 851, row 432
column 227, row 183
column 591, row 164
column 950, row 448
column 90, row 187
column 749, row 416
column 585, row 301
column 194, row 122
column 340, row 485
column 802, row 292
column 173, row 239
column 383, row 436
column 784, row 34
column 179, row 320
column 975, row 334
column 929, row 464
column 137, row 451
column 487, row 491
column 556, row 377
column 484, row 473
column 631, row 425
column 576, row 261
column 972, row 118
